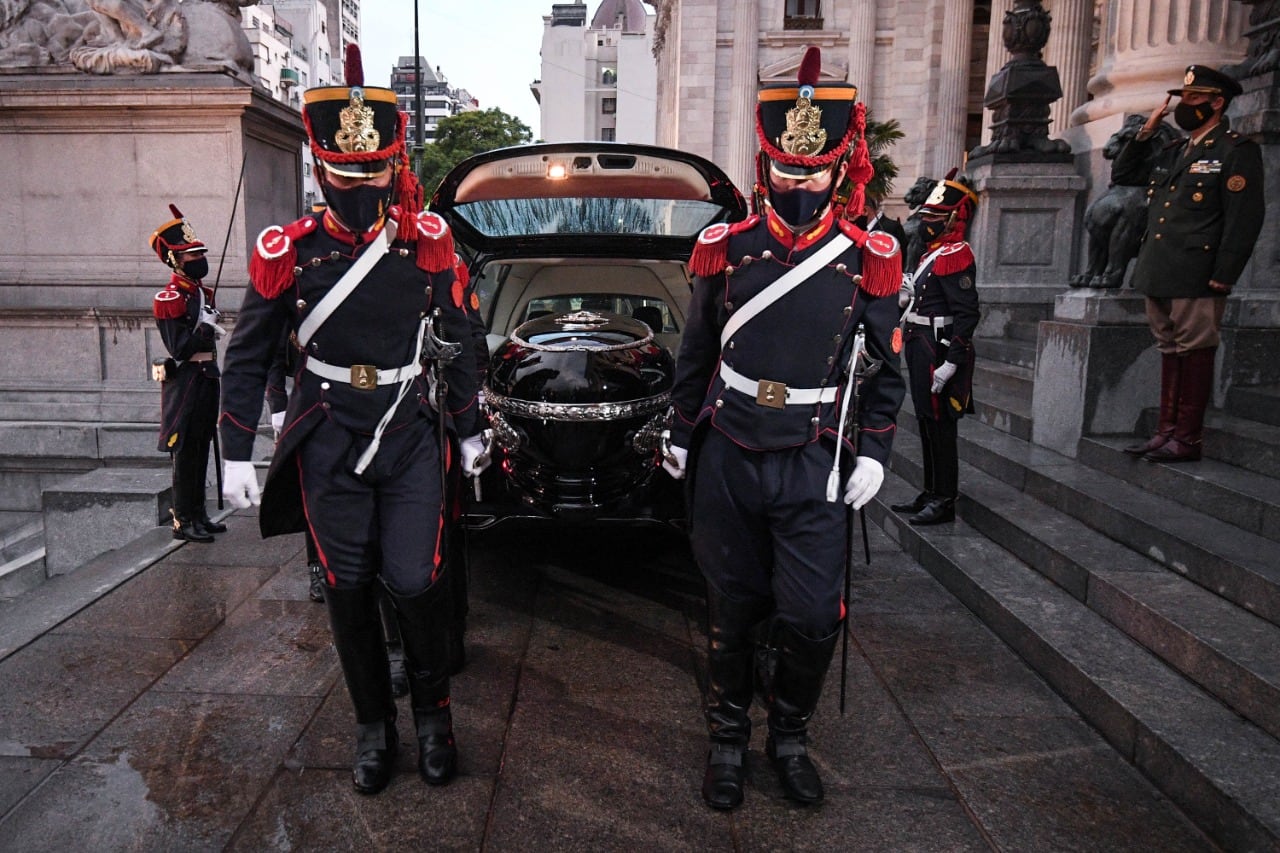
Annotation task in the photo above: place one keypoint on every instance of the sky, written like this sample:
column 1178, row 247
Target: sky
column 488, row 47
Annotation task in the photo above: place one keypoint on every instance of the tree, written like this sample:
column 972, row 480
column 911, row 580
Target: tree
column 460, row 136
column 880, row 137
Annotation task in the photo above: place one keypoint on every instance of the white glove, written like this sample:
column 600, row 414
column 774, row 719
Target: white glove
column 210, row 318
column 240, row 484
column 475, row 456
column 864, row 482
column 677, row 468
column 277, row 424
column 906, row 291
column 941, row 376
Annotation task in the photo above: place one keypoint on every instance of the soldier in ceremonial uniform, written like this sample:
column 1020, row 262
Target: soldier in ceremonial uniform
column 761, row 391
column 188, row 324
column 365, row 287
column 941, row 313
column 1205, row 208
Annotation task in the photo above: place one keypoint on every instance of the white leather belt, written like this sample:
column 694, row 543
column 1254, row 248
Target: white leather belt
column 775, row 394
column 363, row 376
column 931, row 322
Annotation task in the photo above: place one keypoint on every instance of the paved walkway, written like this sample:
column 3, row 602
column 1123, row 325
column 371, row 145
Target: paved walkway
column 193, row 702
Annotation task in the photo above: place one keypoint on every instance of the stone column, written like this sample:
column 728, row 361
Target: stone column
column 1148, row 43
column 740, row 163
column 1068, row 51
column 997, row 55
column 862, row 48
column 952, row 104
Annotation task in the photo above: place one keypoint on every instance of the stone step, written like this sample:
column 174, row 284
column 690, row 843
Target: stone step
column 1222, row 770
column 1244, row 498
column 1240, row 566
column 998, row 376
column 1248, row 443
column 1006, row 350
column 23, row 538
column 1228, row 651
column 24, row 572
column 1258, row 402
column 1004, row 410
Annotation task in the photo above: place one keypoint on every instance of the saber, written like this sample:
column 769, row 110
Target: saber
column 244, row 159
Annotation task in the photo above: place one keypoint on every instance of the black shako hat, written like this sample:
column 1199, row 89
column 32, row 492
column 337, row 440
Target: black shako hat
column 174, row 237
column 805, row 127
column 354, row 130
column 952, row 193
column 1202, row 78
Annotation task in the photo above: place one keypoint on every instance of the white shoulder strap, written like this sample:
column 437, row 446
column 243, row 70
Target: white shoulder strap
column 340, row 291
column 793, row 279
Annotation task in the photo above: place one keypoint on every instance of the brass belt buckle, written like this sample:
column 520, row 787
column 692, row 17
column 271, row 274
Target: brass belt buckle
column 364, row 377
column 771, row 394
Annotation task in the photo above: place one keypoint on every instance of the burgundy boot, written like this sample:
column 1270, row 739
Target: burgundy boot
column 1195, row 386
column 1170, row 373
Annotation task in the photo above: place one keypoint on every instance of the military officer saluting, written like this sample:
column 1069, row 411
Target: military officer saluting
column 1204, row 214
column 188, row 324
column 364, row 288
column 764, row 381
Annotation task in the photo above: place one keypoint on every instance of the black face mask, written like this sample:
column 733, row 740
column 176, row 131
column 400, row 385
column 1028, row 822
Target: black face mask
column 932, row 229
column 359, row 208
column 196, row 269
column 1191, row 117
column 798, row 207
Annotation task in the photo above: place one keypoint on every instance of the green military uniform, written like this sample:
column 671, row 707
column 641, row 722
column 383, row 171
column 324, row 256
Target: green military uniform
column 1205, row 210
column 1204, row 214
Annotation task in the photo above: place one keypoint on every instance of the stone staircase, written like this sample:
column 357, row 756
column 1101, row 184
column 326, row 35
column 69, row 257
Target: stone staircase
column 1147, row 595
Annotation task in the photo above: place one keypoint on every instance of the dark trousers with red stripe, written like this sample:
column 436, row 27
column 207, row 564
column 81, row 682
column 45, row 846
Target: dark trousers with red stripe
column 383, row 523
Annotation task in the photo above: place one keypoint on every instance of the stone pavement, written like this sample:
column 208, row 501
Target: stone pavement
column 190, row 700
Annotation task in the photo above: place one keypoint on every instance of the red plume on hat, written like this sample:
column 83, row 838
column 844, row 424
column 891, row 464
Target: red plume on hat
column 353, row 68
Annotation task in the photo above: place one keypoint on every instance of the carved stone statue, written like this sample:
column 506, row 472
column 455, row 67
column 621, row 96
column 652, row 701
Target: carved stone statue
column 123, row 36
column 1115, row 220
column 913, row 251
column 1264, row 40
column 1020, row 93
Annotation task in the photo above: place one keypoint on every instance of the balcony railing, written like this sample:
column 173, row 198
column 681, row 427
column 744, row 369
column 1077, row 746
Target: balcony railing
column 801, row 22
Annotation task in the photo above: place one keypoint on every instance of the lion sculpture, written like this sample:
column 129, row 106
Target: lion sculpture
column 913, row 251
column 1115, row 221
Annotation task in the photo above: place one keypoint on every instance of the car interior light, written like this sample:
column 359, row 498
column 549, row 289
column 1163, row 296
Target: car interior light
column 557, row 172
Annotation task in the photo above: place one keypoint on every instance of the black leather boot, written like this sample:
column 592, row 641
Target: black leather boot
column 802, row 667
column 731, row 661
column 914, row 505
column 938, row 511
column 1170, row 376
column 357, row 636
column 395, row 647
column 186, row 530
column 424, row 629
column 210, row 525
column 315, row 584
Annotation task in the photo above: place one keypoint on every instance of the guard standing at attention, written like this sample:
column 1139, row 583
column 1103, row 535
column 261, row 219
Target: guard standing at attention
column 941, row 314
column 764, row 381
column 1205, row 208
column 188, row 324
column 368, row 290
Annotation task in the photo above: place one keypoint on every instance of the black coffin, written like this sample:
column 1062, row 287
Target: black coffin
column 577, row 402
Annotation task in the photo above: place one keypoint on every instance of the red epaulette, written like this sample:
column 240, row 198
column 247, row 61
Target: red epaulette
column 275, row 256
column 431, row 234
column 953, row 258
column 169, row 304
column 881, row 259
column 711, row 252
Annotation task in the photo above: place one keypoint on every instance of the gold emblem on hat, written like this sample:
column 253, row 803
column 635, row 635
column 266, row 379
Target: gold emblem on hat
column 1190, row 79
column 804, row 135
column 356, row 132
column 188, row 233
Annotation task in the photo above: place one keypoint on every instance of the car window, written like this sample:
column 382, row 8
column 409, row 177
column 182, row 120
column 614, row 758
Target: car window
column 633, row 216
column 648, row 309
